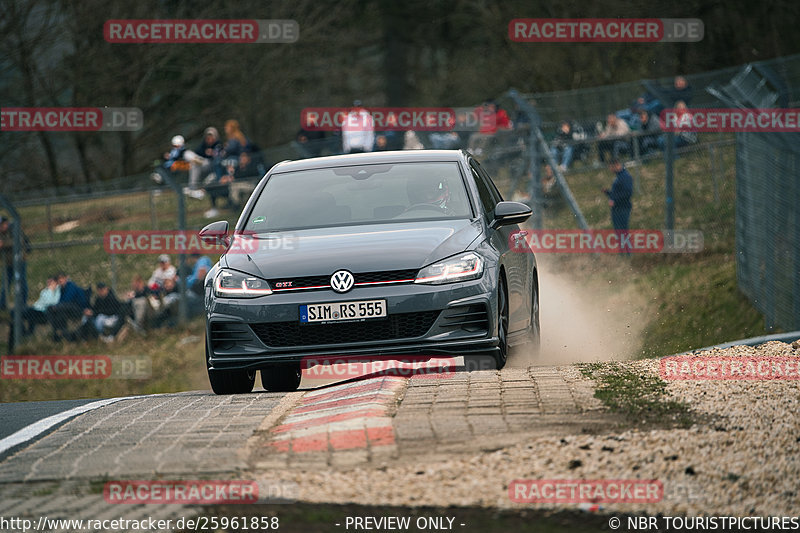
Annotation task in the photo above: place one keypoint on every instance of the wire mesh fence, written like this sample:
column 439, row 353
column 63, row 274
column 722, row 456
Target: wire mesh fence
column 768, row 225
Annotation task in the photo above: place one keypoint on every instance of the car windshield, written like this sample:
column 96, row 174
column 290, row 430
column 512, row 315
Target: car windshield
column 360, row 194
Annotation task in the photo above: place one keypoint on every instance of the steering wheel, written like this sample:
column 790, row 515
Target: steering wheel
column 427, row 207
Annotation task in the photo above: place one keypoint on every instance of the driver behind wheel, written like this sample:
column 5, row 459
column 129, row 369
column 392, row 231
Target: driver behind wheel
column 423, row 190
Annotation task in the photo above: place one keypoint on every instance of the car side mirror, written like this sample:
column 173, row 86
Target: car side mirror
column 507, row 213
column 215, row 233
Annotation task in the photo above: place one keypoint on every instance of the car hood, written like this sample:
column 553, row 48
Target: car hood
column 367, row 248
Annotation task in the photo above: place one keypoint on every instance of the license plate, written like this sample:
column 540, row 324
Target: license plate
column 342, row 311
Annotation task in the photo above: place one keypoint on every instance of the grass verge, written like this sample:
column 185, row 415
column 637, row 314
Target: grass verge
column 641, row 398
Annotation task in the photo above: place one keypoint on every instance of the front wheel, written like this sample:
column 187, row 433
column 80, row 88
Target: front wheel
column 281, row 378
column 535, row 333
column 501, row 355
column 231, row 381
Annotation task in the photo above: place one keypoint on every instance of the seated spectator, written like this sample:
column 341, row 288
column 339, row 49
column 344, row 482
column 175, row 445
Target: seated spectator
column 205, row 160
column 310, row 142
column 562, row 147
column 235, row 142
column 615, row 137
column 168, row 310
column 105, row 317
column 446, row 140
column 392, row 138
column 37, row 313
column 71, row 304
column 411, row 141
column 684, row 138
column 242, row 159
column 490, row 119
column 175, row 155
column 201, row 266
column 163, row 272
column 138, row 299
column 650, row 138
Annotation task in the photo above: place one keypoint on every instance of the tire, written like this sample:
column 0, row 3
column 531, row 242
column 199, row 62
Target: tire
column 535, row 333
column 230, row 381
column 281, row 378
column 474, row 363
column 501, row 355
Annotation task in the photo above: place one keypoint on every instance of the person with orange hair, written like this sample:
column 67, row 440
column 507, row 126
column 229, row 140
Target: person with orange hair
column 236, row 142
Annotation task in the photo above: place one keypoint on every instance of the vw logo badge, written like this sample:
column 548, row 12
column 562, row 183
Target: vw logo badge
column 342, row 281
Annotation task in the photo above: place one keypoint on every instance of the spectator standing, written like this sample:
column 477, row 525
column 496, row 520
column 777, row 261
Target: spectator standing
column 358, row 130
column 619, row 199
column 490, row 119
column 7, row 261
column 562, row 148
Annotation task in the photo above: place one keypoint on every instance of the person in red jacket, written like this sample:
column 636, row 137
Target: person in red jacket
column 490, row 119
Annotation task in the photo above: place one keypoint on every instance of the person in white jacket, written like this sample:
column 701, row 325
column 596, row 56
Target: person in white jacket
column 358, row 130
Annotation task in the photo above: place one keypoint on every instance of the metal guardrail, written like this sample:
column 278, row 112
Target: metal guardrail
column 752, row 341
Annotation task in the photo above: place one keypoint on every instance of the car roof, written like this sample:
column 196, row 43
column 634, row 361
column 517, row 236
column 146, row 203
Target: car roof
column 370, row 158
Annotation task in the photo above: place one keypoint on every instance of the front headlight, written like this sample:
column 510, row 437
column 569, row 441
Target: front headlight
column 232, row 284
column 459, row 268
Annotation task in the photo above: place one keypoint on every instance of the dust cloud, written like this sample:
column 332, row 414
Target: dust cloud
column 583, row 321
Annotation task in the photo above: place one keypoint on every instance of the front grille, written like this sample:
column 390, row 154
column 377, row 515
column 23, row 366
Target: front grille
column 312, row 282
column 472, row 318
column 225, row 335
column 399, row 326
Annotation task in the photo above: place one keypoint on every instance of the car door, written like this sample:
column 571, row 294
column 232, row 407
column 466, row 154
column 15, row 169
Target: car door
column 515, row 264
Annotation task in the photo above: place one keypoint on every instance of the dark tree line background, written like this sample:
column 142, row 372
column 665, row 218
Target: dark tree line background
column 384, row 52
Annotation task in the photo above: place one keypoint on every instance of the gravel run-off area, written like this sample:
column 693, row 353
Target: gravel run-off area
column 741, row 457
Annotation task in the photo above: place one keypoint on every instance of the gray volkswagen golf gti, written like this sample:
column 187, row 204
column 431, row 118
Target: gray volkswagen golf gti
column 389, row 254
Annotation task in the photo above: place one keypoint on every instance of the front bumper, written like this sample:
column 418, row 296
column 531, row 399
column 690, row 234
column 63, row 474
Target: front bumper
column 423, row 320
